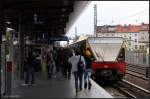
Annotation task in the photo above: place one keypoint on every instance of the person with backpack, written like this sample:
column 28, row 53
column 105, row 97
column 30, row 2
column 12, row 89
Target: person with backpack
column 78, row 64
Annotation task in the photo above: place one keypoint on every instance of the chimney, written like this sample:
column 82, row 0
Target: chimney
column 142, row 23
column 125, row 26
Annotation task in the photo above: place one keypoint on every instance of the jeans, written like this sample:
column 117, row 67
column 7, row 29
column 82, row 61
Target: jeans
column 67, row 70
column 30, row 73
column 87, row 75
column 78, row 76
column 50, row 69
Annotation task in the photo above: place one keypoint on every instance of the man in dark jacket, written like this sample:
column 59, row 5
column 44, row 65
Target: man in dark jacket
column 30, row 72
column 66, row 54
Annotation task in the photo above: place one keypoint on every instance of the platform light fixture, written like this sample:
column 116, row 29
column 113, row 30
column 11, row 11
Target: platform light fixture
column 8, row 22
column 9, row 29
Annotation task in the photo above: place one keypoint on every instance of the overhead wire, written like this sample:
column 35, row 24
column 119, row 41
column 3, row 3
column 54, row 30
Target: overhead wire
column 133, row 15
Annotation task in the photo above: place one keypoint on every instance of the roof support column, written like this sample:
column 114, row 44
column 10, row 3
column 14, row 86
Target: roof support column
column 2, row 26
column 21, row 48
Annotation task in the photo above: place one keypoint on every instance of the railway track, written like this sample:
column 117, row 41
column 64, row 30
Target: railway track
column 143, row 77
column 137, row 75
column 130, row 89
column 135, row 84
column 137, row 69
column 125, row 89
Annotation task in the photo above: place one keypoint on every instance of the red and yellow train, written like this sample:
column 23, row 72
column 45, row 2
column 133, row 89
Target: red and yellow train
column 108, row 53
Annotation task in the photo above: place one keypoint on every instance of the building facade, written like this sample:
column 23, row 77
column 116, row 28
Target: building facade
column 136, row 36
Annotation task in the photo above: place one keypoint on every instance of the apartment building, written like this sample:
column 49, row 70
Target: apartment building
column 133, row 34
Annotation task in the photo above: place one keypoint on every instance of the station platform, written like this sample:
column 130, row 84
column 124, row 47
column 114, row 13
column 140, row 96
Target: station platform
column 55, row 87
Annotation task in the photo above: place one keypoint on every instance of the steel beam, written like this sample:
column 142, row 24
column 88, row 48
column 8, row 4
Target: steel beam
column 21, row 48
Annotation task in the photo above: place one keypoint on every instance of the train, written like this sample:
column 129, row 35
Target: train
column 108, row 63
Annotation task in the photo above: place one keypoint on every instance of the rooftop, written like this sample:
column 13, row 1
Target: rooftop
column 122, row 28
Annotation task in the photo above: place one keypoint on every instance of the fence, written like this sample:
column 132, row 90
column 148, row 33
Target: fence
column 137, row 58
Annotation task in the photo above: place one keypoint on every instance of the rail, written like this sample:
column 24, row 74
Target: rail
column 137, row 75
column 124, row 91
column 142, row 70
column 128, row 89
column 135, row 86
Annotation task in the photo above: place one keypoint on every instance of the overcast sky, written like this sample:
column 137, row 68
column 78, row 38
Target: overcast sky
column 111, row 13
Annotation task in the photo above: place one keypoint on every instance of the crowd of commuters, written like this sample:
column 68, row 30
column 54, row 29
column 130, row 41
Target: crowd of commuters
column 66, row 61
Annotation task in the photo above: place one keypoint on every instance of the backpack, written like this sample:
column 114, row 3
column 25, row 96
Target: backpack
column 80, row 65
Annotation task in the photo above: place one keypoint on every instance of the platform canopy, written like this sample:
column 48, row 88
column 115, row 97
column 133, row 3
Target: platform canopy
column 42, row 16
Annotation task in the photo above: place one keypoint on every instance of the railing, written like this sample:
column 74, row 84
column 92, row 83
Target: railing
column 140, row 59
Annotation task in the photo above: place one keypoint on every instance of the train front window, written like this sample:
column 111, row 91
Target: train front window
column 121, row 56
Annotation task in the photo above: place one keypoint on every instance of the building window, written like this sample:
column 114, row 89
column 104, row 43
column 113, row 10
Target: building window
column 140, row 46
column 129, row 43
column 135, row 34
column 135, row 46
column 142, row 38
column 130, row 37
column 125, row 35
column 107, row 34
column 135, row 40
column 143, row 47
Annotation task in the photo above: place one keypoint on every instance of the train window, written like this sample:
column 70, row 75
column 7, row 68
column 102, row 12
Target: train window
column 121, row 56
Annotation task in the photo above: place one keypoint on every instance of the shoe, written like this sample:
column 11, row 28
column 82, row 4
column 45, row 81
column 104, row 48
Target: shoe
column 89, row 86
column 76, row 91
column 49, row 76
column 80, row 88
column 68, row 77
column 65, row 78
column 65, row 75
column 54, row 76
column 32, row 84
column 85, row 85
column 25, row 84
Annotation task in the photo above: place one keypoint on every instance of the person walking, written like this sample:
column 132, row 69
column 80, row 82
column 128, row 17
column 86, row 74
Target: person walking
column 57, row 63
column 50, row 64
column 88, row 69
column 30, row 68
column 55, row 60
column 66, row 54
column 61, row 59
column 78, row 74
